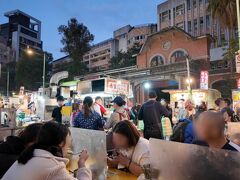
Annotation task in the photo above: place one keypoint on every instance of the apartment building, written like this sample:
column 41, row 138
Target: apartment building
column 192, row 16
column 60, row 64
column 98, row 57
column 138, row 34
column 21, row 31
column 128, row 35
column 6, row 53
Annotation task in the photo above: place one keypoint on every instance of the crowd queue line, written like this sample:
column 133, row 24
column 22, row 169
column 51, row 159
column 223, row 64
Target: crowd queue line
column 40, row 150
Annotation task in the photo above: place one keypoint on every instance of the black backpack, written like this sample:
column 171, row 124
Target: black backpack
column 179, row 131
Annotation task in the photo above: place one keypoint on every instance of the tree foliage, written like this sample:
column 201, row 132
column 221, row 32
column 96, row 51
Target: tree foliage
column 230, row 51
column 29, row 70
column 76, row 40
column 9, row 67
column 125, row 59
column 224, row 11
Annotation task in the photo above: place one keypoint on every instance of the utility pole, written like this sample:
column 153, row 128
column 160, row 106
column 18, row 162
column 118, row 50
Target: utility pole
column 189, row 80
column 8, row 83
column 238, row 20
column 44, row 72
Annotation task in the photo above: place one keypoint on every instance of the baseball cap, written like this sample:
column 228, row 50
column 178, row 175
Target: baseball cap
column 119, row 101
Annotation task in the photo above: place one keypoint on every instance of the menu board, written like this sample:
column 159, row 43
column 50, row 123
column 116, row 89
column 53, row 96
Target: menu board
column 117, row 86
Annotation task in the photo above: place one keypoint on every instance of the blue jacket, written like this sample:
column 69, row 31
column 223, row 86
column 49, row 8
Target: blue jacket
column 189, row 131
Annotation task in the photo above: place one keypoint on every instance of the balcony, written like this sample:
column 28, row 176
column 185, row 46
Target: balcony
column 99, row 63
column 180, row 67
column 221, row 71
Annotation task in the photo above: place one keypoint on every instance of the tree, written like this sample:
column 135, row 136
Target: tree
column 230, row 53
column 125, row 59
column 29, row 70
column 225, row 12
column 76, row 39
column 9, row 67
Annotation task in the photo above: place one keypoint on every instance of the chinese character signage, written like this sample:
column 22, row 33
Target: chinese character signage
column 114, row 86
column 238, row 83
column 204, row 80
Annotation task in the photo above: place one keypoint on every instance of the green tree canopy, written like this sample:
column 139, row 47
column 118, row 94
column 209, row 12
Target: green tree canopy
column 9, row 67
column 76, row 40
column 224, row 11
column 29, row 70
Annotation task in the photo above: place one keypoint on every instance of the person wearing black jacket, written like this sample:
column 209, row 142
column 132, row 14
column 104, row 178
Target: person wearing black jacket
column 151, row 113
column 14, row 146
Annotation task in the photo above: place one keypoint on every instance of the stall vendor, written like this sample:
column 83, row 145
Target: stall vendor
column 57, row 114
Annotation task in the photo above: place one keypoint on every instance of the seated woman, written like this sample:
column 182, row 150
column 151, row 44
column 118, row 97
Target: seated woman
column 119, row 114
column 133, row 149
column 14, row 145
column 45, row 159
column 87, row 118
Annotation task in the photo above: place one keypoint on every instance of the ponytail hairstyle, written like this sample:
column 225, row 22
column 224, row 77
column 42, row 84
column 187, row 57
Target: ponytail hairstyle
column 51, row 135
column 87, row 104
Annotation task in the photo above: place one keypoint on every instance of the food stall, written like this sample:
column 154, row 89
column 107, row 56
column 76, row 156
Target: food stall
column 236, row 99
column 198, row 95
column 107, row 88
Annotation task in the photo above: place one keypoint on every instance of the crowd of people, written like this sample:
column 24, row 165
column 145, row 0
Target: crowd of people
column 41, row 149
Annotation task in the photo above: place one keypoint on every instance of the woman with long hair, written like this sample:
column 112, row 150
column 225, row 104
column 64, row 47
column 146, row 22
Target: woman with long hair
column 44, row 160
column 15, row 145
column 133, row 150
column 87, row 118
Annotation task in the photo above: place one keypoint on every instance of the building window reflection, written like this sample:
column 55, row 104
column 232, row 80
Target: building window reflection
column 157, row 61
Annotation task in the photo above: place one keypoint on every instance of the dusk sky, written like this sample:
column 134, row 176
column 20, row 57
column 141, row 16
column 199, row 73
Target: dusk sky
column 102, row 17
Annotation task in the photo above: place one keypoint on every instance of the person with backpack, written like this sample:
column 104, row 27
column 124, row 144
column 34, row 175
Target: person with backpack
column 119, row 114
column 151, row 113
column 183, row 131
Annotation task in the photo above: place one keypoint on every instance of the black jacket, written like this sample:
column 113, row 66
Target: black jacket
column 151, row 113
column 9, row 152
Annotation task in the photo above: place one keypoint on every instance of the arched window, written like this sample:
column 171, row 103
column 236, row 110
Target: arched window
column 178, row 56
column 157, row 61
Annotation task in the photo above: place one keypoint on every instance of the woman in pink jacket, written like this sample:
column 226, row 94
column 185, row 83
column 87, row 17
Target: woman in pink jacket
column 45, row 159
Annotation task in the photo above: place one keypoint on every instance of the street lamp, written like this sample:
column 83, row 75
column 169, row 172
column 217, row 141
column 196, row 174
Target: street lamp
column 189, row 81
column 31, row 52
column 147, row 85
